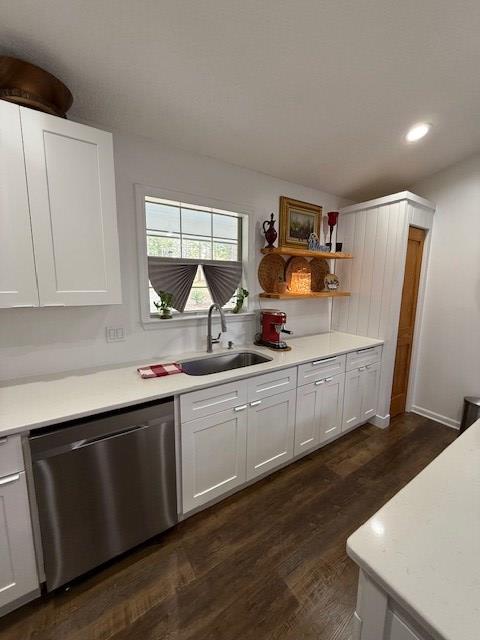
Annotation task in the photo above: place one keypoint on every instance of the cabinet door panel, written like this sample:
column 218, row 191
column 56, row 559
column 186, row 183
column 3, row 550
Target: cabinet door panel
column 18, row 286
column 73, row 210
column 18, row 571
column 332, row 407
column 270, row 438
column 213, row 456
column 307, row 418
column 370, row 380
column 352, row 406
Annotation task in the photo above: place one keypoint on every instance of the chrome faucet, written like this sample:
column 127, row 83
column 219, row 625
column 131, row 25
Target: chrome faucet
column 211, row 341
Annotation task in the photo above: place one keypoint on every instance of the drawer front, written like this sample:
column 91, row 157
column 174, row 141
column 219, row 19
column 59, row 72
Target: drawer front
column 11, row 456
column 321, row 368
column 205, row 402
column 270, row 384
column 363, row 357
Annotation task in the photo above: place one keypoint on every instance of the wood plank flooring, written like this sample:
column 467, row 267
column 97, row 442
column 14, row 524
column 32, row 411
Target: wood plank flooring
column 267, row 563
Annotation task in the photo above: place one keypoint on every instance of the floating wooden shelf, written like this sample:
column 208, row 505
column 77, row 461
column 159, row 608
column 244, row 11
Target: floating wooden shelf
column 301, row 296
column 305, row 253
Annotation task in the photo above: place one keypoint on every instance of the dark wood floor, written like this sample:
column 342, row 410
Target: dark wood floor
column 267, row 563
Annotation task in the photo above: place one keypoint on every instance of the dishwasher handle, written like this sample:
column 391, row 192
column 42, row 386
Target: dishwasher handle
column 80, row 444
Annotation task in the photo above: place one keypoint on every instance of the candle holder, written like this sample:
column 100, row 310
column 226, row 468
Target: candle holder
column 332, row 221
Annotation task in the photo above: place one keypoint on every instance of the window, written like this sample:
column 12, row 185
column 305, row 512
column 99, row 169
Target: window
column 188, row 232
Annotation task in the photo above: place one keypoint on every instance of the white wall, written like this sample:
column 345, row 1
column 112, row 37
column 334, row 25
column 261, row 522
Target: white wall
column 376, row 233
column 44, row 341
column 449, row 346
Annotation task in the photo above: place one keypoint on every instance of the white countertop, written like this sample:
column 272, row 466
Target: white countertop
column 423, row 546
column 49, row 400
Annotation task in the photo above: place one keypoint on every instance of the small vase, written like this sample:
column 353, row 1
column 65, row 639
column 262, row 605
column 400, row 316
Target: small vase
column 166, row 315
column 270, row 232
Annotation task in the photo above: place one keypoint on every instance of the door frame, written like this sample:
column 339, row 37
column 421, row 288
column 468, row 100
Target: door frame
column 417, row 330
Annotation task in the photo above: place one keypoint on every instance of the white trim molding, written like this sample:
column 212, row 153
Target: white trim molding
column 391, row 199
column 382, row 422
column 426, row 413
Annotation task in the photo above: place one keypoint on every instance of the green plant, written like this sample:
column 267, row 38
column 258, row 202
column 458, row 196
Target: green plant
column 165, row 304
column 240, row 297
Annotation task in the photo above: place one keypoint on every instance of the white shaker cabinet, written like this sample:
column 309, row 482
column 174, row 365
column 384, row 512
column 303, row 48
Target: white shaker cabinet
column 319, row 412
column 371, row 379
column 71, row 189
column 271, row 429
column 213, row 455
column 18, row 285
column 361, row 393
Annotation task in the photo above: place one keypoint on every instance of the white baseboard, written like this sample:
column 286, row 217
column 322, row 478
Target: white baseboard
column 382, row 422
column 426, row 413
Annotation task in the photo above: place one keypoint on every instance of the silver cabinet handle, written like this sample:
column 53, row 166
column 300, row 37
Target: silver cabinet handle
column 367, row 349
column 315, row 362
column 240, row 407
column 8, row 479
column 23, row 306
column 255, row 403
column 362, row 368
column 53, row 304
column 317, row 382
column 329, row 379
column 3, row 441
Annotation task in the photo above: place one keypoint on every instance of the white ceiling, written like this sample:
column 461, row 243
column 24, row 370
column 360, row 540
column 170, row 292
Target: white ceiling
column 315, row 92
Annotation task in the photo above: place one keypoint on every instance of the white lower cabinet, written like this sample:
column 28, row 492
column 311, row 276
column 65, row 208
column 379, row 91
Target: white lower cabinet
column 213, row 456
column 270, row 435
column 18, row 570
column 361, row 392
column 319, row 412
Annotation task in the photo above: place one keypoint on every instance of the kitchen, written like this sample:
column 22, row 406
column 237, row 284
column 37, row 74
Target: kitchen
column 304, row 436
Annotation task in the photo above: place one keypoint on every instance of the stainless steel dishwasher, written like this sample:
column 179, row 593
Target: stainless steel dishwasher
column 103, row 485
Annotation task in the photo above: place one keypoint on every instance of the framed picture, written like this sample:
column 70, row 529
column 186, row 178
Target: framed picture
column 297, row 221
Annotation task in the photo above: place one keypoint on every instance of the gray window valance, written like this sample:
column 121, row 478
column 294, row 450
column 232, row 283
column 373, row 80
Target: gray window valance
column 177, row 276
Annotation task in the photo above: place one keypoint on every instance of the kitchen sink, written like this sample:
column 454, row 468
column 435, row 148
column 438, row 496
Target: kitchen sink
column 223, row 362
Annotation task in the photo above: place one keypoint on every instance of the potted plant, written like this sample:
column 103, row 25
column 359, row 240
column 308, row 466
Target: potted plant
column 164, row 306
column 240, row 297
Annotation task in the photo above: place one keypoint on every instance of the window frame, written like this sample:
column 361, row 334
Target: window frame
column 246, row 242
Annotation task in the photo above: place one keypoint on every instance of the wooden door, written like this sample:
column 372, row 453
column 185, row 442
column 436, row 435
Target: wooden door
column 18, row 569
column 271, row 432
column 406, row 324
column 71, row 186
column 18, row 285
column 213, row 456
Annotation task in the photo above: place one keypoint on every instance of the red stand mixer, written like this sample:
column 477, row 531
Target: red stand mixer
column 272, row 323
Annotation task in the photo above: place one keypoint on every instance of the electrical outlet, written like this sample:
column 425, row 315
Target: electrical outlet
column 114, row 334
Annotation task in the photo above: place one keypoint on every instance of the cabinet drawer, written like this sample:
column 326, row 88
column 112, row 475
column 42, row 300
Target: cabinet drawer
column 205, row 402
column 11, row 456
column 321, row 368
column 271, row 383
column 363, row 357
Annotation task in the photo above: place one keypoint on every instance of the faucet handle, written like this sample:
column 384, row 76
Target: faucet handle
column 217, row 339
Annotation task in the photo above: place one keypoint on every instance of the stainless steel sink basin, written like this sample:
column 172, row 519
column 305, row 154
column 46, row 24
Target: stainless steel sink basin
column 223, row 362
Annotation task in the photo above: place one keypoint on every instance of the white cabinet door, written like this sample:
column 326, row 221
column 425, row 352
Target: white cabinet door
column 370, row 381
column 18, row 286
column 332, row 407
column 71, row 185
column 213, row 456
column 271, row 430
column 307, row 432
column 18, row 571
column 352, row 406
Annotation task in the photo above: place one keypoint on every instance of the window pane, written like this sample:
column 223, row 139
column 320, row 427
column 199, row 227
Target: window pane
column 196, row 223
column 192, row 248
column 225, row 251
column 199, row 299
column 160, row 217
column 225, row 226
column 164, row 247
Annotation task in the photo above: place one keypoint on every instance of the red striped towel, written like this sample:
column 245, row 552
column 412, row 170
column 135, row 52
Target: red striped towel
column 156, row 370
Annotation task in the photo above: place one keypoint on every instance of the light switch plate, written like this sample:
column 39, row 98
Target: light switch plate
column 114, row 334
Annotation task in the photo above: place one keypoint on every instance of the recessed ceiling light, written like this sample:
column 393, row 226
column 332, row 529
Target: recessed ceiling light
column 418, row 131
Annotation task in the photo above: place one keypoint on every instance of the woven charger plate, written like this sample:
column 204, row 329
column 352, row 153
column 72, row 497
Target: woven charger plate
column 295, row 264
column 319, row 268
column 270, row 270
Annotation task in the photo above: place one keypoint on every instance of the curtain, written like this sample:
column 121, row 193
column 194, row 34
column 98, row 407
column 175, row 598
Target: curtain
column 176, row 275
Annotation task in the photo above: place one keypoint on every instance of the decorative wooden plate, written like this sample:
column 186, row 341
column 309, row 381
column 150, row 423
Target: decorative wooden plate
column 319, row 268
column 270, row 270
column 295, row 264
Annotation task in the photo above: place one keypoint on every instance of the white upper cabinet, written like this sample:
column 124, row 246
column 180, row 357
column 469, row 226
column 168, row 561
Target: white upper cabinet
column 71, row 188
column 18, row 286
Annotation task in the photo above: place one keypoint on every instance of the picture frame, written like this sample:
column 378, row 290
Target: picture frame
column 297, row 221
